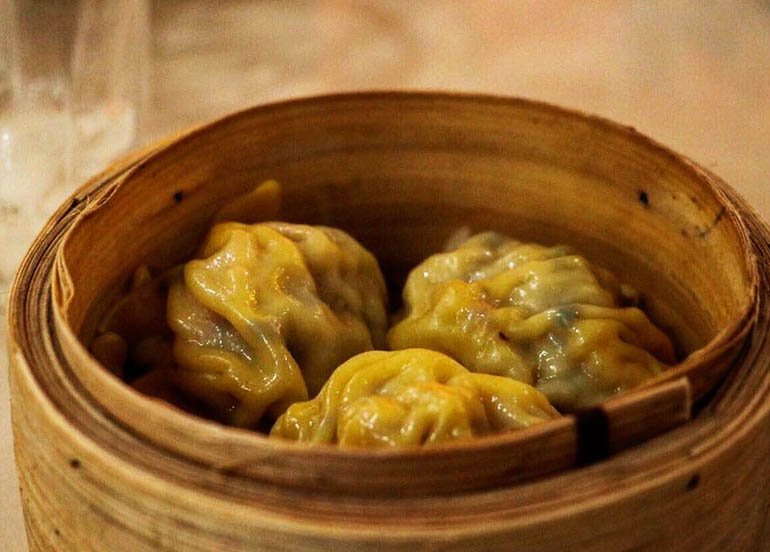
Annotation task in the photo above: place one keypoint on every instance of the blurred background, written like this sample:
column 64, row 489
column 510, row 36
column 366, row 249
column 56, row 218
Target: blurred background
column 82, row 82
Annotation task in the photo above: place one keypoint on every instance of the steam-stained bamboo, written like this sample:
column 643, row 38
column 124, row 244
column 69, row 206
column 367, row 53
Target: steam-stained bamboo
column 103, row 467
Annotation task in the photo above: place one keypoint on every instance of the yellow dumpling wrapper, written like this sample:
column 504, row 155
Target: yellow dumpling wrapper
column 266, row 311
column 541, row 315
column 411, row 397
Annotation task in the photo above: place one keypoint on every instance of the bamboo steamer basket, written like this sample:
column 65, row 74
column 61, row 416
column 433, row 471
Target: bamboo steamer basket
column 679, row 464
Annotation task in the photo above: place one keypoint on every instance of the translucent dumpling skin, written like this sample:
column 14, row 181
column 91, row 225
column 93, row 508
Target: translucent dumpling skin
column 267, row 311
column 540, row 315
column 410, row 397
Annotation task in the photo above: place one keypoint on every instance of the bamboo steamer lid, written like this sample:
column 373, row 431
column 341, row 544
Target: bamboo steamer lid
column 104, row 468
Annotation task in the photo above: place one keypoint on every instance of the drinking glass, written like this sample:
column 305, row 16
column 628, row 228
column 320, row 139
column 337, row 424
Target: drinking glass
column 73, row 90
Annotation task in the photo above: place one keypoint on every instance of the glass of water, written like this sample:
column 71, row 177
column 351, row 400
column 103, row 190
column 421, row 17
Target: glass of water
column 73, row 91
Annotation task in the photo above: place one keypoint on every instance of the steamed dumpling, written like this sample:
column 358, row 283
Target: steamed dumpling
column 541, row 315
column 267, row 311
column 411, row 397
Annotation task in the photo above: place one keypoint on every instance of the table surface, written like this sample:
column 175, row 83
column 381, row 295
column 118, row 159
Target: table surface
column 696, row 77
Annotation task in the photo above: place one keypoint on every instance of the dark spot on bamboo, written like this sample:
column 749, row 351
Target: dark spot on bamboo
column 75, row 463
column 719, row 216
column 593, row 435
column 503, row 336
column 178, row 196
column 644, row 199
column 56, row 532
column 693, row 482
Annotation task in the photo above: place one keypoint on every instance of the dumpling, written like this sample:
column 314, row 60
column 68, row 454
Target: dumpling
column 410, row 397
column 267, row 311
column 541, row 315
column 133, row 338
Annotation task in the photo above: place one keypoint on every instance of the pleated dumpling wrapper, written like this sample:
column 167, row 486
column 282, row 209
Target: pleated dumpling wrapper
column 541, row 315
column 411, row 397
column 267, row 311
